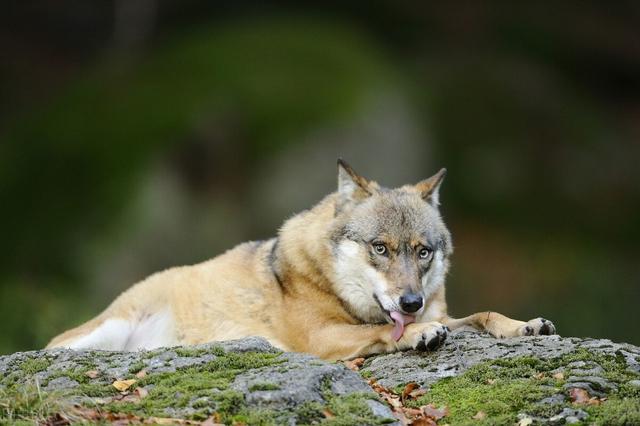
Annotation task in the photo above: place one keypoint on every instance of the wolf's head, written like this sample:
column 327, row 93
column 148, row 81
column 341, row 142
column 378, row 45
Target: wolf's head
column 390, row 246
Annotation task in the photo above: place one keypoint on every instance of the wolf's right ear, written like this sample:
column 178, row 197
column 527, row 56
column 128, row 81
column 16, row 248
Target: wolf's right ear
column 430, row 188
column 351, row 186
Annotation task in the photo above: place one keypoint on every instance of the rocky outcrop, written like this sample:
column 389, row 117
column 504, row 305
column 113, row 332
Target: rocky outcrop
column 474, row 378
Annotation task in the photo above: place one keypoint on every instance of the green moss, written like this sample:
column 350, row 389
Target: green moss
column 366, row 374
column 504, row 388
column 349, row 409
column 205, row 387
column 136, row 367
column 616, row 411
column 194, row 352
column 35, row 365
column 78, row 374
column 263, row 387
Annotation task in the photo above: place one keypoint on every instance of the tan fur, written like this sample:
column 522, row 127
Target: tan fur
column 286, row 290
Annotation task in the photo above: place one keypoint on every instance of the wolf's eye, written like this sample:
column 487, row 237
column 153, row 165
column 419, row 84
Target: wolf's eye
column 424, row 253
column 379, row 248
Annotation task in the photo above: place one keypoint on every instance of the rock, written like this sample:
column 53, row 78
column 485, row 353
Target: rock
column 249, row 381
column 568, row 416
column 463, row 349
column 236, row 379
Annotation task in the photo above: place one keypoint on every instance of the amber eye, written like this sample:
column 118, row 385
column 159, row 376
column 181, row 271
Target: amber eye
column 379, row 248
column 424, row 253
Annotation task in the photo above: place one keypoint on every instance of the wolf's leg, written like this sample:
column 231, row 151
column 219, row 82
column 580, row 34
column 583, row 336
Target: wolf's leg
column 108, row 334
column 501, row 326
column 345, row 341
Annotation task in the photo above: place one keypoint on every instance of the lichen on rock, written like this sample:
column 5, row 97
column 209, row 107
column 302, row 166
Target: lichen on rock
column 527, row 380
column 245, row 381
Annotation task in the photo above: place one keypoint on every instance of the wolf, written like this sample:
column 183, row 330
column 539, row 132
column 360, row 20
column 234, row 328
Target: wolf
column 362, row 272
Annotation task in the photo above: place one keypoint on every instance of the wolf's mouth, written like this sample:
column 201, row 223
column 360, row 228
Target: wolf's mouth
column 399, row 320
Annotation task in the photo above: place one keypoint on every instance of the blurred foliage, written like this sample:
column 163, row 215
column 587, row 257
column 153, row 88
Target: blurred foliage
column 534, row 113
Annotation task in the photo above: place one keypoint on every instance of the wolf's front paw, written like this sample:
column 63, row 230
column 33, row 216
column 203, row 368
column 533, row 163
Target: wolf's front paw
column 537, row 327
column 425, row 336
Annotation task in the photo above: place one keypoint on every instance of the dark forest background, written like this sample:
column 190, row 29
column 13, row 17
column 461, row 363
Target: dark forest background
column 141, row 134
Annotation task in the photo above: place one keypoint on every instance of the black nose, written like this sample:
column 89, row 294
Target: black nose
column 410, row 302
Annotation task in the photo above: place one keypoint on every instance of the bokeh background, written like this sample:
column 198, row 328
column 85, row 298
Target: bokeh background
column 141, row 134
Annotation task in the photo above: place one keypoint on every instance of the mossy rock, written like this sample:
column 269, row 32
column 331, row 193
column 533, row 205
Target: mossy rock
column 528, row 379
column 235, row 382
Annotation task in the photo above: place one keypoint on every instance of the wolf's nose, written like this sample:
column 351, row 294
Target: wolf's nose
column 410, row 302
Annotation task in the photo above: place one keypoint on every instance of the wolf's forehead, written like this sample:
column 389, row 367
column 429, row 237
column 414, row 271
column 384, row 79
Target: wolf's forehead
column 399, row 217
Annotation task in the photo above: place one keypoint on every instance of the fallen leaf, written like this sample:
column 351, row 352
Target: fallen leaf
column 141, row 392
column 123, row 385
column 579, row 396
column 92, row 374
column 558, row 376
column 398, row 414
column 417, row 393
column 412, row 412
column 214, row 420
column 434, row 412
column 168, row 421
column 57, row 420
column 211, row 422
column 141, row 374
column 423, row 421
column 480, row 415
column 525, row 421
column 410, row 387
column 354, row 364
column 328, row 414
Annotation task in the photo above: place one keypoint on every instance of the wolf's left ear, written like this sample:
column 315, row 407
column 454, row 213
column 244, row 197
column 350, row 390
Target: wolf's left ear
column 351, row 186
column 430, row 188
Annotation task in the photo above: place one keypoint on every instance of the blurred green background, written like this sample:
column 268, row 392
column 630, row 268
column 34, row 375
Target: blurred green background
column 141, row 134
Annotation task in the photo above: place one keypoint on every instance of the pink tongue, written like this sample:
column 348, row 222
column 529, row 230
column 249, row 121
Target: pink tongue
column 400, row 321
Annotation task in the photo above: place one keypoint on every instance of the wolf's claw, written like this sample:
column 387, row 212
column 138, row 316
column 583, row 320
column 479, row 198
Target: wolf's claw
column 432, row 338
column 538, row 327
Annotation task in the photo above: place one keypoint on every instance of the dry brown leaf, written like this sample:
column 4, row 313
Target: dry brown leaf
column 92, row 374
column 354, row 364
column 404, row 420
column 559, row 376
column 56, row 420
column 214, row 420
column 123, row 385
column 423, row 421
column 480, row 415
column 417, row 393
column 412, row 412
column 141, row 374
column 434, row 412
column 410, row 387
column 141, row 392
column 579, row 396
column 328, row 414
column 168, row 421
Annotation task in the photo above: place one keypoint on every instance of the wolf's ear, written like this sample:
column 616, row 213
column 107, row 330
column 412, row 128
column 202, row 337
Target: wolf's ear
column 430, row 188
column 351, row 186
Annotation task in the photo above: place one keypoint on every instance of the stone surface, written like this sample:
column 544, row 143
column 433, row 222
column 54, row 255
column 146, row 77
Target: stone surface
column 466, row 348
column 289, row 381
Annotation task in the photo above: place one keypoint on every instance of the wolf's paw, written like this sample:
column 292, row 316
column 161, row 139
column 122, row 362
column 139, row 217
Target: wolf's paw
column 427, row 336
column 537, row 327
